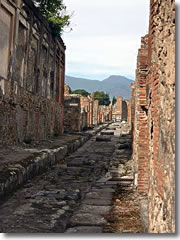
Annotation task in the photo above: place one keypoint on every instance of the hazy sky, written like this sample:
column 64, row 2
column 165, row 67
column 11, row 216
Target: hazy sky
column 105, row 38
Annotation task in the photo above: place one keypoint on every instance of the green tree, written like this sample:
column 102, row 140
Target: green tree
column 114, row 100
column 83, row 92
column 56, row 13
column 102, row 97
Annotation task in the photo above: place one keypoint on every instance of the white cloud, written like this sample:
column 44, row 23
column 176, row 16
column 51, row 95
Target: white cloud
column 106, row 36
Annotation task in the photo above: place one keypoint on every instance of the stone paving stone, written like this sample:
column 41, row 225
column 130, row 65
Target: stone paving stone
column 87, row 219
column 100, row 210
column 83, row 229
column 124, row 140
column 124, row 146
column 68, row 193
column 96, row 189
column 99, row 195
column 97, row 202
column 107, row 133
column 103, row 139
column 111, row 128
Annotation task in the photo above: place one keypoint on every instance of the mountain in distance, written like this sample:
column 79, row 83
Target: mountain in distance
column 114, row 85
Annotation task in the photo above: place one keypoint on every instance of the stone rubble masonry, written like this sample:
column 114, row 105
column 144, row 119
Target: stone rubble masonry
column 153, row 117
column 95, row 112
column 81, row 112
column 72, row 113
column 105, row 113
column 128, row 111
column 140, row 131
column 87, row 104
column 67, row 90
column 120, row 109
column 117, row 109
column 31, row 75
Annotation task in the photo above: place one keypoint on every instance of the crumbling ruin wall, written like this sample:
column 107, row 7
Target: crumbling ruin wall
column 141, row 137
column 161, row 101
column 117, row 109
column 31, row 75
column 72, row 113
column 87, row 104
column 95, row 112
column 153, row 120
column 124, row 110
column 67, row 90
column 128, row 111
column 84, row 119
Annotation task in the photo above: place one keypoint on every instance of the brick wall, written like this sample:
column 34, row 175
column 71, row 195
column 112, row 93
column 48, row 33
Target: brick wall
column 153, row 117
column 161, row 101
column 141, row 138
column 31, row 75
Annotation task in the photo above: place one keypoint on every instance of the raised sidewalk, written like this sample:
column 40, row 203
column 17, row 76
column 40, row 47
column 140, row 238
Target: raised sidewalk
column 18, row 164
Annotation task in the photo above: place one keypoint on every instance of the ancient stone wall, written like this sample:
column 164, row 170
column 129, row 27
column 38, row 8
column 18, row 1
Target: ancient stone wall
column 161, row 103
column 67, row 90
column 124, row 111
column 95, row 112
column 31, row 75
column 72, row 113
column 85, row 104
column 141, row 120
column 117, row 109
column 153, row 117
column 84, row 119
column 128, row 111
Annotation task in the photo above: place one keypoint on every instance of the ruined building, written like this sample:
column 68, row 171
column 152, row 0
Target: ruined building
column 31, row 75
column 120, row 109
column 153, row 117
column 75, row 116
column 81, row 112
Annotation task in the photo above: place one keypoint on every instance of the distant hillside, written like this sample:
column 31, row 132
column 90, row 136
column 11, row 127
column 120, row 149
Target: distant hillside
column 113, row 85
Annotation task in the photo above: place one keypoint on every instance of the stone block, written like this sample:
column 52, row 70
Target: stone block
column 103, row 139
column 107, row 133
column 87, row 219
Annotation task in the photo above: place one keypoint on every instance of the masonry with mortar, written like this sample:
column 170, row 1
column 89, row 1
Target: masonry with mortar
column 153, row 117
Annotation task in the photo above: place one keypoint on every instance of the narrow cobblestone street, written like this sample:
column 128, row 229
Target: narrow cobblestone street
column 76, row 195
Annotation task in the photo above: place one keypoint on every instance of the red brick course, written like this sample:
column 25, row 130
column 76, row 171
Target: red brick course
column 153, row 117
